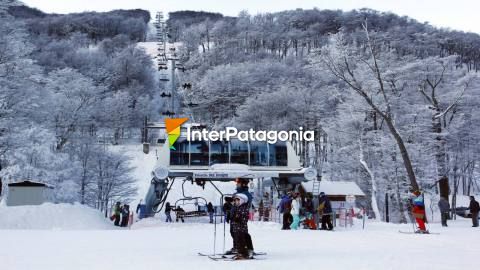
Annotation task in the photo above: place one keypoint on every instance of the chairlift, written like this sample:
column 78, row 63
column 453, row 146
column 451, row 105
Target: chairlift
column 190, row 104
column 172, row 49
column 173, row 57
column 163, row 95
column 164, row 78
column 187, row 86
column 162, row 66
column 168, row 113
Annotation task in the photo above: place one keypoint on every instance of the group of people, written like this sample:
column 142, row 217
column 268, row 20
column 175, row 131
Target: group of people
column 179, row 213
column 444, row 206
column 418, row 211
column 292, row 207
column 121, row 215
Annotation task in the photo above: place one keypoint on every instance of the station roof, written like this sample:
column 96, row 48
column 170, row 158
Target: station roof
column 28, row 184
column 336, row 188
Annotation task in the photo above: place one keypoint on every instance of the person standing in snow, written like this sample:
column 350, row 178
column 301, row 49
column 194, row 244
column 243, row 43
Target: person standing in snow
column 295, row 212
column 210, row 211
column 141, row 209
column 242, row 187
column 168, row 212
column 125, row 215
column 325, row 211
column 116, row 214
column 240, row 226
column 284, row 208
column 474, row 208
column 227, row 208
column 418, row 211
column 179, row 212
column 444, row 207
column 309, row 214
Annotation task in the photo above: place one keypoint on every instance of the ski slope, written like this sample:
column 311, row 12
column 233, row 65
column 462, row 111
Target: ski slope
column 153, row 244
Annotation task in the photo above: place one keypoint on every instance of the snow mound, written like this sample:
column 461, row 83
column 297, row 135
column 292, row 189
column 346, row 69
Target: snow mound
column 50, row 216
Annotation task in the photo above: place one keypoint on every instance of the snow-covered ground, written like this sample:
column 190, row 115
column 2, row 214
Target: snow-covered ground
column 51, row 217
column 153, row 244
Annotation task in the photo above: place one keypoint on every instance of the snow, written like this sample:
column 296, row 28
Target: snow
column 336, row 188
column 50, row 216
column 152, row 244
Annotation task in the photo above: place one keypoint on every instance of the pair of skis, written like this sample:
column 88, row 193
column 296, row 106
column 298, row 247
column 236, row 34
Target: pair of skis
column 230, row 257
column 435, row 233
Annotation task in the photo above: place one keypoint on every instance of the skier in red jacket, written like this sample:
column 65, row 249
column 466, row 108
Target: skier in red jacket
column 418, row 211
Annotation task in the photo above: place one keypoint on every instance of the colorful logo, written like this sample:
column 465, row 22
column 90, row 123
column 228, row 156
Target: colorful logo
column 173, row 129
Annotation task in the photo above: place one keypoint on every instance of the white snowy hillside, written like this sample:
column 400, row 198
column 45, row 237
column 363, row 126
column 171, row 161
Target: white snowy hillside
column 51, row 217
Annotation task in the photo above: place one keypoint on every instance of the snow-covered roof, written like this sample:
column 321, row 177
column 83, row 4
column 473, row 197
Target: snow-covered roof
column 336, row 188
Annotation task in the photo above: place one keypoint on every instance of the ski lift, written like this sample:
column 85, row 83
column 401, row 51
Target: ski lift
column 187, row 86
column 172, row 49
column 181, row 68
column 164, row 78
column 173, row 57
column 165, row 95
column 190, row 104
column 168, row 113
column 162, row 66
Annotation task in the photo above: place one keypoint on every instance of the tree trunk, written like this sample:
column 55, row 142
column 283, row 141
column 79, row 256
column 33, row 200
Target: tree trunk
column 403, row 152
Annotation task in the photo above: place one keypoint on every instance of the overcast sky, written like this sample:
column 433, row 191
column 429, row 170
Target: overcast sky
column 454, row 14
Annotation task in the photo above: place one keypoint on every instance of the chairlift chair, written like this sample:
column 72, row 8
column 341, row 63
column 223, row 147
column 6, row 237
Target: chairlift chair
column 164, row 78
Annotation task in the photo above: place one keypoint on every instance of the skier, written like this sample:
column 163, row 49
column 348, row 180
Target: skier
column 474, row 208
column 210, row 211
column 284, row 208
column 295, row 212
column 116, row 214
column 309, row 213
column 418, row 211
column 242, row 188
column 141, row 209
column 325, row 211
column 444, row 207
column 125, row 215
column 168, row 211
column 240, row 227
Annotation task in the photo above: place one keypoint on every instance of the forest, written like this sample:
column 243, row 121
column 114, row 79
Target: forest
column 392, row 100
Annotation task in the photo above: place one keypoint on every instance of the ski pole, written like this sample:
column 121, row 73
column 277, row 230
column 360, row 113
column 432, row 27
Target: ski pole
column 214, row 233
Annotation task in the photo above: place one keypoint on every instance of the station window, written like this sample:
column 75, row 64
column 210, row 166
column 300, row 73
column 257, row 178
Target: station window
column 179, row 156
column 218, row 152
column 239, row 152
column 258, row 153
column 278, row 154
column 199, row 153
